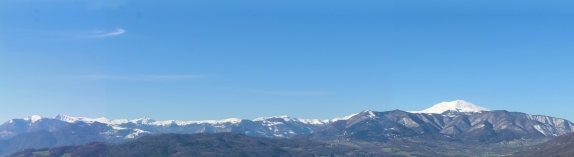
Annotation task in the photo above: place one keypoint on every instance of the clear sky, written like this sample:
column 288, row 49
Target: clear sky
column 197, row 60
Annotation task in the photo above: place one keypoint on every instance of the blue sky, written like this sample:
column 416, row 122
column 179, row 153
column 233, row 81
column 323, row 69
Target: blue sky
column 196, row 60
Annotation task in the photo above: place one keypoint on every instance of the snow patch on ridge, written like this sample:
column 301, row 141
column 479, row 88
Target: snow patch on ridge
column 71, row 119
column 33, row 118
column 141, row 121
column 345, row 118
column 457, row 105
column 137, row 133
column 371, row 114
column 539, row 129
column 289, row 119
column 148, row 121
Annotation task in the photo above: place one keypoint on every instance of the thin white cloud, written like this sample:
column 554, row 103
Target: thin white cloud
column 133, row 77
column 102, row 34
column 174, row 76
column 285, row 93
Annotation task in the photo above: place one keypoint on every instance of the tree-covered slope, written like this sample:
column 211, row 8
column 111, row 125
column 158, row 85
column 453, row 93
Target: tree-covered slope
column 201, row 144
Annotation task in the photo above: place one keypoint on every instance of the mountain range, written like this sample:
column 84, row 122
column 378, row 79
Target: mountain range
column 447, row 121
column 277, row 126
column 477, row 127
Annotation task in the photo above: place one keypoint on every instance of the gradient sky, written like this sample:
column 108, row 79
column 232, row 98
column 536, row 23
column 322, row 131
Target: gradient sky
column 197, row 60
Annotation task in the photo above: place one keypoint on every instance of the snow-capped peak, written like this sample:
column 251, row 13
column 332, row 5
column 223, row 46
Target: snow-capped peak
column 344, row 118
column 66, row 118
column 33, row 118
column 142, row 121
column 230, row 120
column 71, row 119
column 457, row 105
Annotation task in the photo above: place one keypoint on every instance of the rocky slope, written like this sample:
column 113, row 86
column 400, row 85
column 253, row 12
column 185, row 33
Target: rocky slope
column 561, row 146
column 473, row 127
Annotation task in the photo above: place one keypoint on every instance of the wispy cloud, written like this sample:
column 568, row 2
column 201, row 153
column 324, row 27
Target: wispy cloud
column 102, row 34
column 75, row 34
column 132, row 77
column 285, row 93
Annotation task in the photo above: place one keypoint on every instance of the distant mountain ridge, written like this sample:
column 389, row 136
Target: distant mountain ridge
column 275, row 126
column 33, row 131
column 148, row 121
column 36, row 122
column 66, row 135
column 458, row 120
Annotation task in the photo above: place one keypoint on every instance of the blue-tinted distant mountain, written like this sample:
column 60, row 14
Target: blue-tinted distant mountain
column 70, row 134
column 19, row 134
column 29, row 124
column 277, row 126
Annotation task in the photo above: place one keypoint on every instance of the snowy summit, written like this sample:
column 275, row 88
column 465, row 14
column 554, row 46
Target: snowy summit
column 457, row 105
